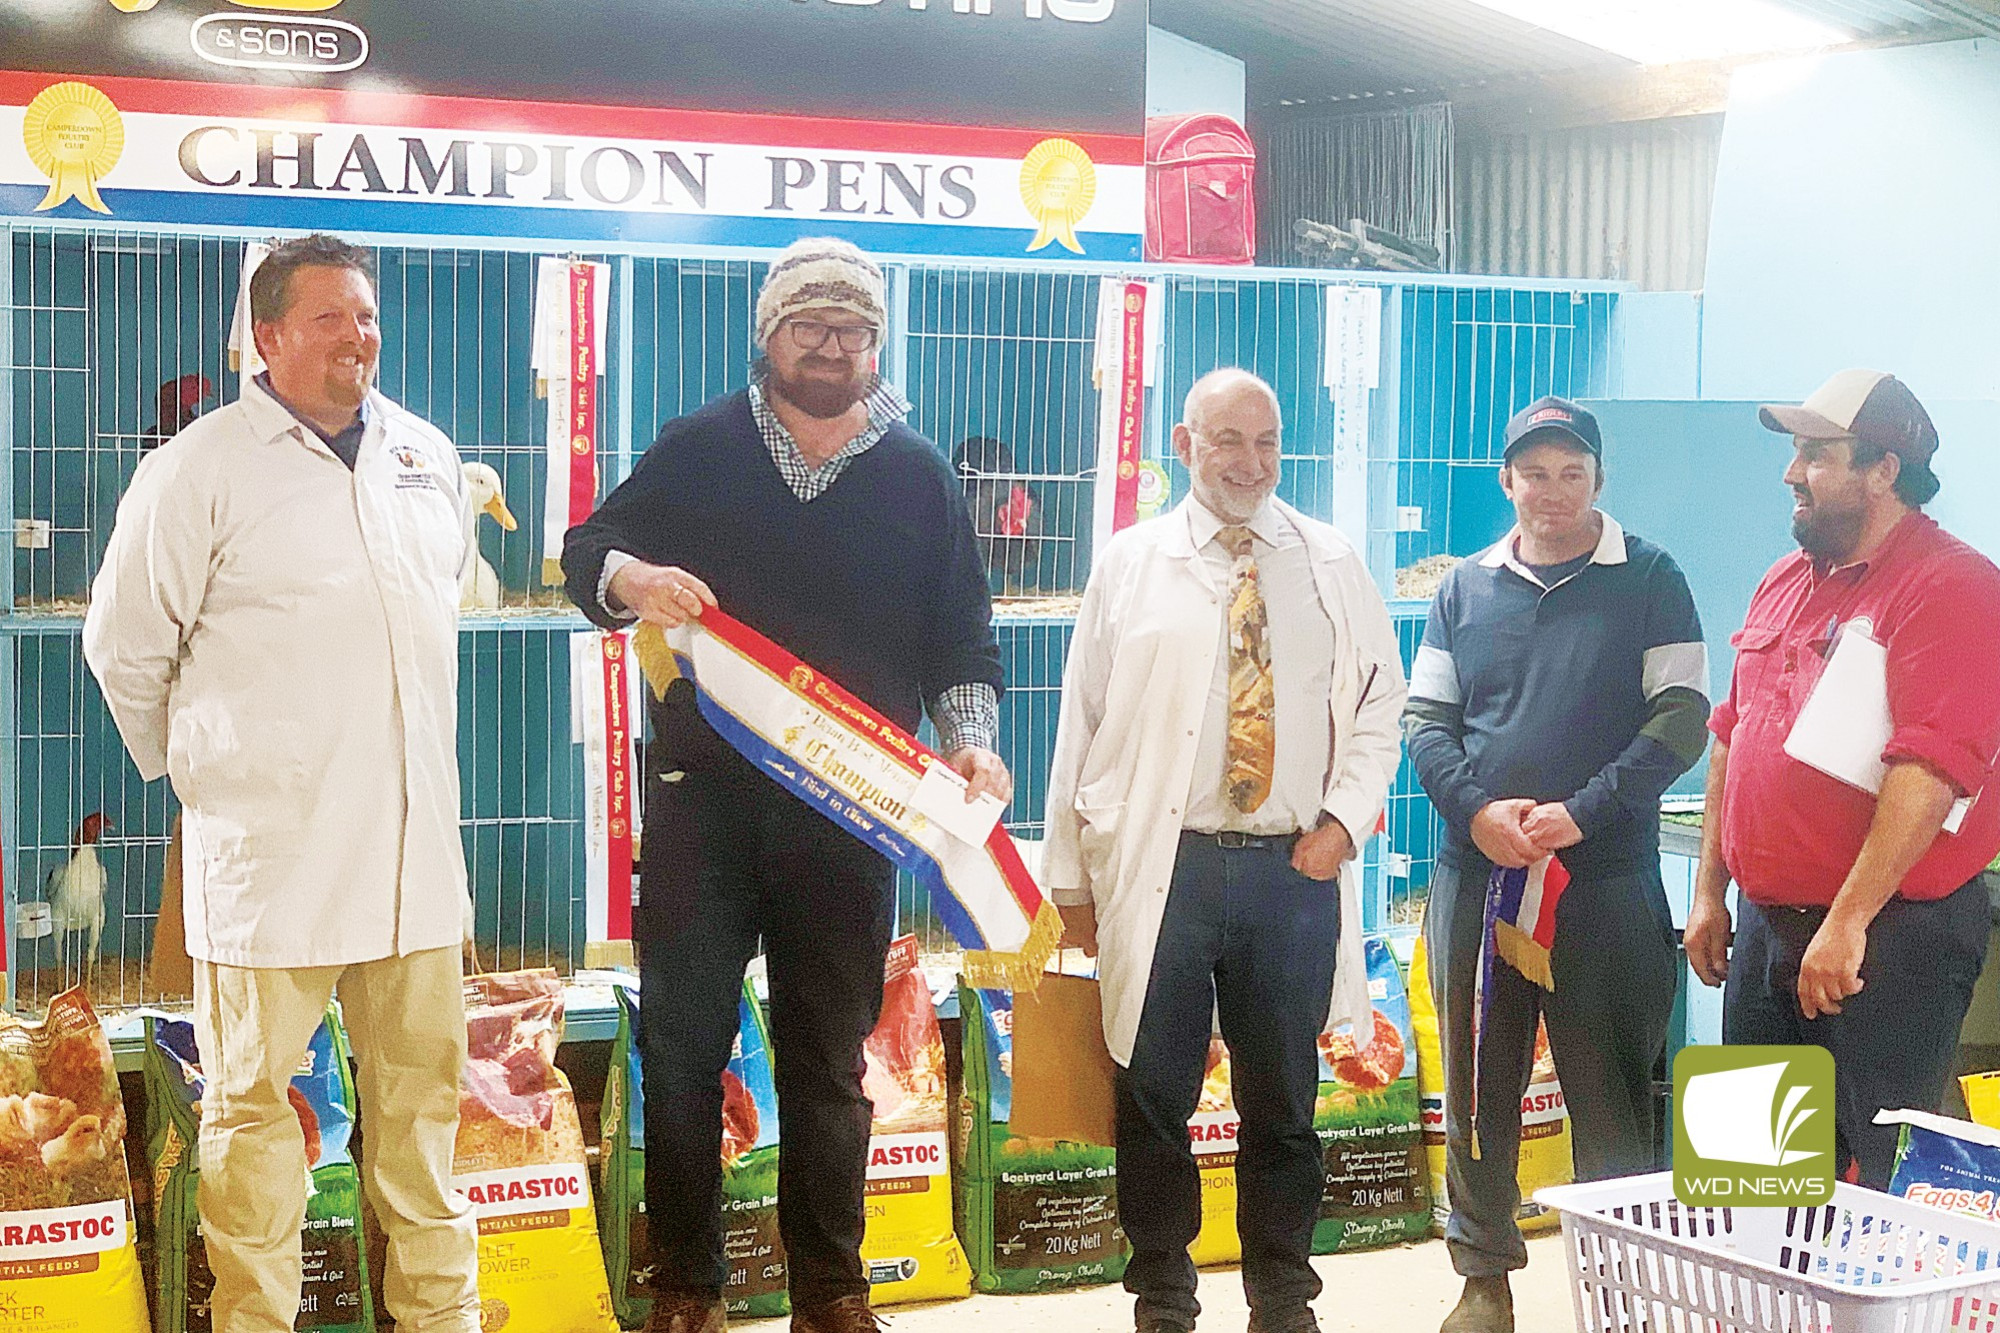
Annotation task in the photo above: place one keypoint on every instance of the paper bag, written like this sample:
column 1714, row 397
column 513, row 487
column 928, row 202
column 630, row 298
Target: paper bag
column 1062, row 1068
column 172, row 970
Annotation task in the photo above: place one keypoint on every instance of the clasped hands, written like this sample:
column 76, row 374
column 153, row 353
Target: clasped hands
column 1518, row 832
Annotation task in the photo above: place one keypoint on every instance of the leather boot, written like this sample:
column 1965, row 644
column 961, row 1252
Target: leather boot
column 849, row 1314
column 686, row 1312
column 1487, row 1306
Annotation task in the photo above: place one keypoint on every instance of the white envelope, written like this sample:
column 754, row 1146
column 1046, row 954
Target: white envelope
column 1845, row 725
column 940, row 796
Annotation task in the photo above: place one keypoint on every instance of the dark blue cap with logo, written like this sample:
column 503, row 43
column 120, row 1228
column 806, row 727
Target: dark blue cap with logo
column 1553, row 420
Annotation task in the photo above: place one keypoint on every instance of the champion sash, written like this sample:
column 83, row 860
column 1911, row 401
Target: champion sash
column 1519, row 929
column 861, row 771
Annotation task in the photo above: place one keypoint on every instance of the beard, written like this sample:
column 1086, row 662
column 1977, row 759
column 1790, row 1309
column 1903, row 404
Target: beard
column 1828, row 533
column 822, row 398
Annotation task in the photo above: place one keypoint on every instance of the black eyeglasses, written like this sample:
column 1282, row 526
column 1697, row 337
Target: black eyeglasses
column 809, row 335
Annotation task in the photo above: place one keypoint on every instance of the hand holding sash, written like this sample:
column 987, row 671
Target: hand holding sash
column 861, row 771
column 660, row 594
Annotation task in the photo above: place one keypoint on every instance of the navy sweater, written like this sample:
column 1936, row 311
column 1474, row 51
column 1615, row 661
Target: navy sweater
column 878, row 582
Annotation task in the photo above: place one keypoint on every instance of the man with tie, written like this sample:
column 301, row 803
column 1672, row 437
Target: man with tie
column 1227, row 739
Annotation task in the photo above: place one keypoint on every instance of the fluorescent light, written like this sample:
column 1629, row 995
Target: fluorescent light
column 1659, row 32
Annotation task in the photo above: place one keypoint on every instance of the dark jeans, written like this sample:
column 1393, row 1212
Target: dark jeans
column 729, row 857
column 1894, row 1043
column 1250, row 939
column 1607, row 1019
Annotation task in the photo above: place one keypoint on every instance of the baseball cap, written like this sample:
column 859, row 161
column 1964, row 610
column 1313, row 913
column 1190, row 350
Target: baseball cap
column 1871, row 406
column 1553, row 416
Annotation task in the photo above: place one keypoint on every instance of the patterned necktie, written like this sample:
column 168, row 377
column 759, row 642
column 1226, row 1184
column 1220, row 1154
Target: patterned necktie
column 1252, row 752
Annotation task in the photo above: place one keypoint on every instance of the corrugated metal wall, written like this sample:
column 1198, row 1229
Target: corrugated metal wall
column 1392, row 169
column 1628, row 201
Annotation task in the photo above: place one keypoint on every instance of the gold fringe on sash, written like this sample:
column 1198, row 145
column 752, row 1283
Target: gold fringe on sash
column 656, row 660
column 1519, row 948
column 989, row 969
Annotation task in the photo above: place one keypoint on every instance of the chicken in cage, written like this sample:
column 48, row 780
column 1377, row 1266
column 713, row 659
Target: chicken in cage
column 179, row 401
column 1004, row 514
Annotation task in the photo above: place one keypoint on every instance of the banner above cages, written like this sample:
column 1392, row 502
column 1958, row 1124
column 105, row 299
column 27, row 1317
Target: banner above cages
column 1068, row 66
column 147, row 150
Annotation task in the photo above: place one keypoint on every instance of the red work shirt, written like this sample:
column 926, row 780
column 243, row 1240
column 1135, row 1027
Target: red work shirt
column 1790, row 833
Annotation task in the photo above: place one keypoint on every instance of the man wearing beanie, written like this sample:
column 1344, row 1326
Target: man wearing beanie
column 806, row 508
column 1861, row 920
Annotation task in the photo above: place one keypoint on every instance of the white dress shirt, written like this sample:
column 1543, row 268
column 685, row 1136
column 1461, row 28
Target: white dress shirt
column 1302, row 667
column 1136, row 689
column 279, row 635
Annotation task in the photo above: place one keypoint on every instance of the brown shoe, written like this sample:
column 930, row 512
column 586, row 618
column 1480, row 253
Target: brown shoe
column 849, row 1314
column 1487, row 1306
column 686, row 1312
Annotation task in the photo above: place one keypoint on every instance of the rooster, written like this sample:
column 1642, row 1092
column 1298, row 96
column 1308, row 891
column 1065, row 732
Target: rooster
column 479, row 587
column 75, row 889
column 178, row 403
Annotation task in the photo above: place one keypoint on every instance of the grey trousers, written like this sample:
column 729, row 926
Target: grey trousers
column 1614, row 965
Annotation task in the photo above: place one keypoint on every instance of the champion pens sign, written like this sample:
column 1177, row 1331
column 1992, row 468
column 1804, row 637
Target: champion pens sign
column 148, row 150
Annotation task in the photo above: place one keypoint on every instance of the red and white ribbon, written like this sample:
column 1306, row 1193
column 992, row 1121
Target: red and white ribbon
column 1127, row 363
column 606, row 696
column 572, row 304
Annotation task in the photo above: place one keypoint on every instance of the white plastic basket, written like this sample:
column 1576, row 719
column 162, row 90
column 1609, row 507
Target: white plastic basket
column 1641, row 1262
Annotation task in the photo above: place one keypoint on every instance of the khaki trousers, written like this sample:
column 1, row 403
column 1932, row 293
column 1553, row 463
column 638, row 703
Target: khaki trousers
column 406, row 1020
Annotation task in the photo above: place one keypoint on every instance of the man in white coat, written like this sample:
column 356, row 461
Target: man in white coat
column 1228, row 736
column 275, row 628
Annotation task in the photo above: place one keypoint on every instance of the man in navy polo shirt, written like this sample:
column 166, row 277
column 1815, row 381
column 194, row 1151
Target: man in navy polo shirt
column 1562, row 685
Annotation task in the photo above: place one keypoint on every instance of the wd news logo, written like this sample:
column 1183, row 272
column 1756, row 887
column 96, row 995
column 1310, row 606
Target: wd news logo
column 1753, row 1126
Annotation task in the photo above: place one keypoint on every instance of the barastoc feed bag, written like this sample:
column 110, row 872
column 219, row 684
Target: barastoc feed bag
column 622, row 1172
column 910, row 1248
column 1377, row 1181
column 1035, row 1214
column 1945, row 1163
column 520, row 1160
column 1545, row 1131
column 1547, row 1147
column 1212, row 1136
column 67, row 1260
column 756, row 1282
column 756, row 1286
column 334, row 1296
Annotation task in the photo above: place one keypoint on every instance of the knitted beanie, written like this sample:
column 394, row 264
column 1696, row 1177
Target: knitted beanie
column 820, row 271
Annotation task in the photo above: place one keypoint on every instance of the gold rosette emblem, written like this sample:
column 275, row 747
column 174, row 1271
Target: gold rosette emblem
column 74, row 135
column 579, row 445
column 1058, row 186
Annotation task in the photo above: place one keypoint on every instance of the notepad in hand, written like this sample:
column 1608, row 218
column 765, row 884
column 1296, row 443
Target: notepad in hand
column 1845, row 725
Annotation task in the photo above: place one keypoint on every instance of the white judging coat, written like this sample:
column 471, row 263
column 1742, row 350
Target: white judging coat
column 279, row 635
column 1134, row 694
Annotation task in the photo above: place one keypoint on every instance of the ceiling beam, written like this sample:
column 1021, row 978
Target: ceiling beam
column 1978, row 16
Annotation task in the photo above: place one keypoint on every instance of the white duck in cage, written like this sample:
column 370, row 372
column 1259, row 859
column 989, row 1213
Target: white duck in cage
column 479, row 586
column 75, row 890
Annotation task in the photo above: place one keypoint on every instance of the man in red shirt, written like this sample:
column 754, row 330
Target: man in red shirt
column 1863, row 923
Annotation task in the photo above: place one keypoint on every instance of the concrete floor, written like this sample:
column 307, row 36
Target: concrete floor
column 1407, row 1289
